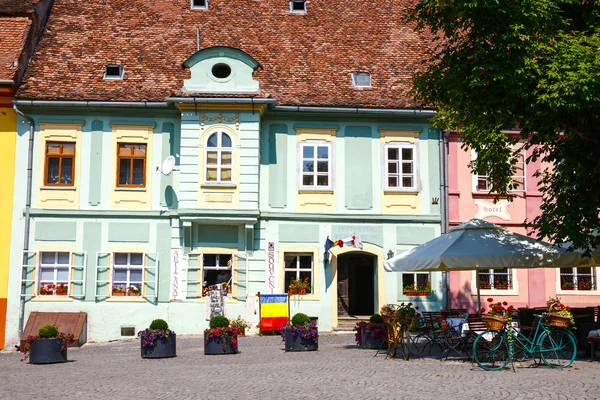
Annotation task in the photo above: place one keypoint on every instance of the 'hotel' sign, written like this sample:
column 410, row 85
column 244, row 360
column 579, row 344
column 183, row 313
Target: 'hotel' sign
column 487, row 209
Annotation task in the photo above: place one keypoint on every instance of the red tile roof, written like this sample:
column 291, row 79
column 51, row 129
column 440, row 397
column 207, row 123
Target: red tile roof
column 307, row 58
column 13, row 31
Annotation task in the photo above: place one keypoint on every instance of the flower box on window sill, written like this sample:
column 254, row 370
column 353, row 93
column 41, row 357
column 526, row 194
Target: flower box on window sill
column 298, row 291
column 567, row 288
column 417, row 293
column 133, row 293
column 61, row 293
column 584, row 288
column 118, row 294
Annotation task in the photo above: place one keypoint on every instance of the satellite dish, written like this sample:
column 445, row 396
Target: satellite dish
column 168, row 165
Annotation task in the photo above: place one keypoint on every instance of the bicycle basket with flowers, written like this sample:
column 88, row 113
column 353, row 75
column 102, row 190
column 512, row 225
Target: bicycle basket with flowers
column 559, row 315
column 498, row 315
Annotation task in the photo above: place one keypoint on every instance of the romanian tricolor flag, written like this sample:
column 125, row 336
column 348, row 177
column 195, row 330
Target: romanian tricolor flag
column 273, row 311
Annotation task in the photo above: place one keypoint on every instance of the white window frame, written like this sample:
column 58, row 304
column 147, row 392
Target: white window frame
column 201, row 268
column 414, row 274
column 194, row 7
column 512, row 290
column 128, row 267
column 114, row 77
column 30, row 273
column 477, row 177
column 415, row 161
column 354, row 82
column 150, row 269
column 576, row 290
column 219, row 149
column 297, row 268
column 315, row 173
column 298, row 11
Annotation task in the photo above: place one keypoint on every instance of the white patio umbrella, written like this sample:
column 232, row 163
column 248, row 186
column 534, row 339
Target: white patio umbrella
column 478, row 244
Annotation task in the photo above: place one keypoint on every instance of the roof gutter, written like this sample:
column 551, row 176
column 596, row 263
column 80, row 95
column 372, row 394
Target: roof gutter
column 358, row 110
column 220, row 100
column 118, row 104
column 7, row 82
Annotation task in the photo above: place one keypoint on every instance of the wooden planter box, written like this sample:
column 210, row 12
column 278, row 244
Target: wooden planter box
column 296, row 343
column 369, row 342
column 47, row 351
column 214, row 346
column 163, row 348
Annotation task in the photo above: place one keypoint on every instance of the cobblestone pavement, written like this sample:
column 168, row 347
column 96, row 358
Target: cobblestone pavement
column 263, row 370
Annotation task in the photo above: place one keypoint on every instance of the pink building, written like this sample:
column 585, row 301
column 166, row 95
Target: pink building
column 468, row 198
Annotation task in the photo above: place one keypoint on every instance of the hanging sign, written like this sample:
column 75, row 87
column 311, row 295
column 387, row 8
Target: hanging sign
column 217, row 305
column 178, row 271
column 498, row 209
column 271, row 268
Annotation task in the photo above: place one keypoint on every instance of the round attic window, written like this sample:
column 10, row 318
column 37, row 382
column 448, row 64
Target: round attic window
column 221, row 71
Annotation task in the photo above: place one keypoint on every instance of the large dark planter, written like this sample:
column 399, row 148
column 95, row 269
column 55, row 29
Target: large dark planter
column 214, row 346
column 47, row 351
column 296, row 343
column 369, row 342
column 163, row 348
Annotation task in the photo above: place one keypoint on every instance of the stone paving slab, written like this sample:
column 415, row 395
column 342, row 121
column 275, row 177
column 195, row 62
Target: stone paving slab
column 263, row 370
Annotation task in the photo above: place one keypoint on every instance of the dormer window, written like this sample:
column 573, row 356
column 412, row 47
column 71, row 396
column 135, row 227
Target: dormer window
column 298, row 6
column 199, row 4
column 114, row 72
column 361, row 79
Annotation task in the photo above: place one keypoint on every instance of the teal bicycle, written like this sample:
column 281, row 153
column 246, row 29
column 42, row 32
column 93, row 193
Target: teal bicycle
column 493, row 350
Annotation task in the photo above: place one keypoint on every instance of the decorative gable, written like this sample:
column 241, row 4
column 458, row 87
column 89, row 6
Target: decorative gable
column 221, row 70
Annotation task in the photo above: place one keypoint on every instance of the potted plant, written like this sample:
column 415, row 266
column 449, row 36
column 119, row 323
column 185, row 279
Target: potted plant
column 301, row 334
column 61, row 290
column 241, row 325
column 501, row 285
column 158, row 341
column 299, row 286
column 558, row 314
column 220, row 338
column 118, row 290
column 584, row 285
column 46, row 290
column 418, row 290
column 49, row 346
column 498, row 315
column 133, row 290
column 372, row 334
column 566, row 284
column 484, row 285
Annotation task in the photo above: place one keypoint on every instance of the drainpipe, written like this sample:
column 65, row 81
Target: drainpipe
column 444, row 208
column 27, row 208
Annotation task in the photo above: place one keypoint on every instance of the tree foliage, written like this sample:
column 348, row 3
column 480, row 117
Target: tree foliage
column 531, row 64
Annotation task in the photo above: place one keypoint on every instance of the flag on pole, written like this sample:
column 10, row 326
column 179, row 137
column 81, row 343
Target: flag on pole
column 273, row 311
column 330, row 244
column 353, row 241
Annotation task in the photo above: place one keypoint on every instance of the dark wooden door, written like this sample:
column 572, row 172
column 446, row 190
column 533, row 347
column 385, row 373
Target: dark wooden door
column 343, row 289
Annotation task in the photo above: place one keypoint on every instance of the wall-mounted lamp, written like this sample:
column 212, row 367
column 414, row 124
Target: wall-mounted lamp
column 390, row 254
column 326, row 257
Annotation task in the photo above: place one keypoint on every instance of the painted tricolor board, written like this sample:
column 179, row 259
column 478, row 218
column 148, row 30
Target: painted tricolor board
column 274, row 312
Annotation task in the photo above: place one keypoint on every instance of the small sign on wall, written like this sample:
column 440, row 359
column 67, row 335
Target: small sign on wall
column 178, row 271
column 271, row 268
column 487, row 209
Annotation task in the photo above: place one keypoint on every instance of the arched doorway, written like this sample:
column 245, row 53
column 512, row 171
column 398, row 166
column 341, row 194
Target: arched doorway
column 356, row 284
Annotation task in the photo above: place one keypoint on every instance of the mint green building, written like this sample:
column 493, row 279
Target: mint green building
column 142, row 196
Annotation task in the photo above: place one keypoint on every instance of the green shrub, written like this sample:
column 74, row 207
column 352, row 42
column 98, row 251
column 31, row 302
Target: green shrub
column 48, row 332
column 376, row 319
column 159, row 324
column 219, row 322
column 300, row 319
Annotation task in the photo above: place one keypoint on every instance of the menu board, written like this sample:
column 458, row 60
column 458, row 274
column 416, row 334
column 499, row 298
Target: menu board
column 217, row 304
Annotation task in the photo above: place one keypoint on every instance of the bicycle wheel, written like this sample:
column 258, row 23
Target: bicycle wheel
column 490, row 350
column 558, row 347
